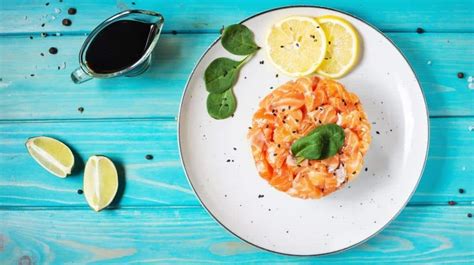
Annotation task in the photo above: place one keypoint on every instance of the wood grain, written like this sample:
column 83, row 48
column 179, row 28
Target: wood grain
column 42, row 218
column 50, row 94
column 209, row 15
column 161, row 181
column 424, row 235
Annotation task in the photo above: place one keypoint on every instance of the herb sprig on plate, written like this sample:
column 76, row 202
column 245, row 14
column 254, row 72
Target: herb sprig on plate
column 222, row 73
column 321, row 143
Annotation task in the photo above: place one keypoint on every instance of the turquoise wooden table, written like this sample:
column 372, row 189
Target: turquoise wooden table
column 43, row 220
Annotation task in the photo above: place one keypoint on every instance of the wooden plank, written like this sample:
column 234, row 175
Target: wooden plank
column 50, row 94
column 155, row 93
column 436, row 60
column 208, row 15
column 161, row 181
column 435, row 234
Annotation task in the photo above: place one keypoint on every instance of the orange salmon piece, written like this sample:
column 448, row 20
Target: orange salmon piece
column 262, row 118
column 291, row 119
column 276, row 154
column 306, row 85
column 324, row 115
column 320, row 98
column 291, row 100
column 350, row 120
column 303, row 188
column 282, row 135
column 331, row 163
column 264, row 169
column 351, row 142
column 352, row 163
column 282, row 180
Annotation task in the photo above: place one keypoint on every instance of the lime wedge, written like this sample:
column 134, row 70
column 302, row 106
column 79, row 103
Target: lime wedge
column 51, row 154
column 100, row 182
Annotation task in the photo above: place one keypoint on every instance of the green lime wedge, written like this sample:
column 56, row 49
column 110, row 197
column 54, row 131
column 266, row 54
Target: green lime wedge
column 100, row 182
column 51, row 154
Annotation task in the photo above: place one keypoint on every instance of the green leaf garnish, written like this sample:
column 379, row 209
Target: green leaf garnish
column 239, row 40
column 222, row 74
column 221, row 105
column 321, row 143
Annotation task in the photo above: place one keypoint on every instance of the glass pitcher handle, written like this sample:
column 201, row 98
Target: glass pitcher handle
column 79, row 76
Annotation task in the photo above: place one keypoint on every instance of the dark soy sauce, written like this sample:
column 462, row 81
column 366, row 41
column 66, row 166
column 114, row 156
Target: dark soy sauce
column 119, row 45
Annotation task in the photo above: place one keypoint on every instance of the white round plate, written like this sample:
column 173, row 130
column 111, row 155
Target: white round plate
column 217, row 158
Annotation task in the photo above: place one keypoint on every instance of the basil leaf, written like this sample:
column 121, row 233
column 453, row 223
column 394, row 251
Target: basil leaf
column 321, row 143
column 238, row 39
column 221, row 105
column 221, row 74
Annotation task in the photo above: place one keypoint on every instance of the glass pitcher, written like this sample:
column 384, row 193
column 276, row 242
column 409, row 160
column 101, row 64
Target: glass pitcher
column 84, row 72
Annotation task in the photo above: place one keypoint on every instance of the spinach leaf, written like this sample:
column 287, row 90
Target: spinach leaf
column 238, row 39
column 308, row 147
column 321, row 143
column 221, row 105
column 221, row 74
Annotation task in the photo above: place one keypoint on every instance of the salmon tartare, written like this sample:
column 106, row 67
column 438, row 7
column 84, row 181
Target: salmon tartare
column 292, row 111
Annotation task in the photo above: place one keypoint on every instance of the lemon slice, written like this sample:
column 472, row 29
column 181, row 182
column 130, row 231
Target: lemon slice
column 100, row 182
column 343, row 48
column 51, row 154
column 296, row 45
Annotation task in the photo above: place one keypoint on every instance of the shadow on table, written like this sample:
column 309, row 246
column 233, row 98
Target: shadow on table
column 164, row 56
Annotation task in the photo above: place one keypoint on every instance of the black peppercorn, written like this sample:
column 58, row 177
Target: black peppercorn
column 67, row 22
column 53, row 50
column 72, row 11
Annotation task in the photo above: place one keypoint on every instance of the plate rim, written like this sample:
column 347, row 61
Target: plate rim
column 427, row 117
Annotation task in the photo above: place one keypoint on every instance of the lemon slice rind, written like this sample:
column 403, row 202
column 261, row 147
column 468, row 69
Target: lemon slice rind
column 355, row 46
